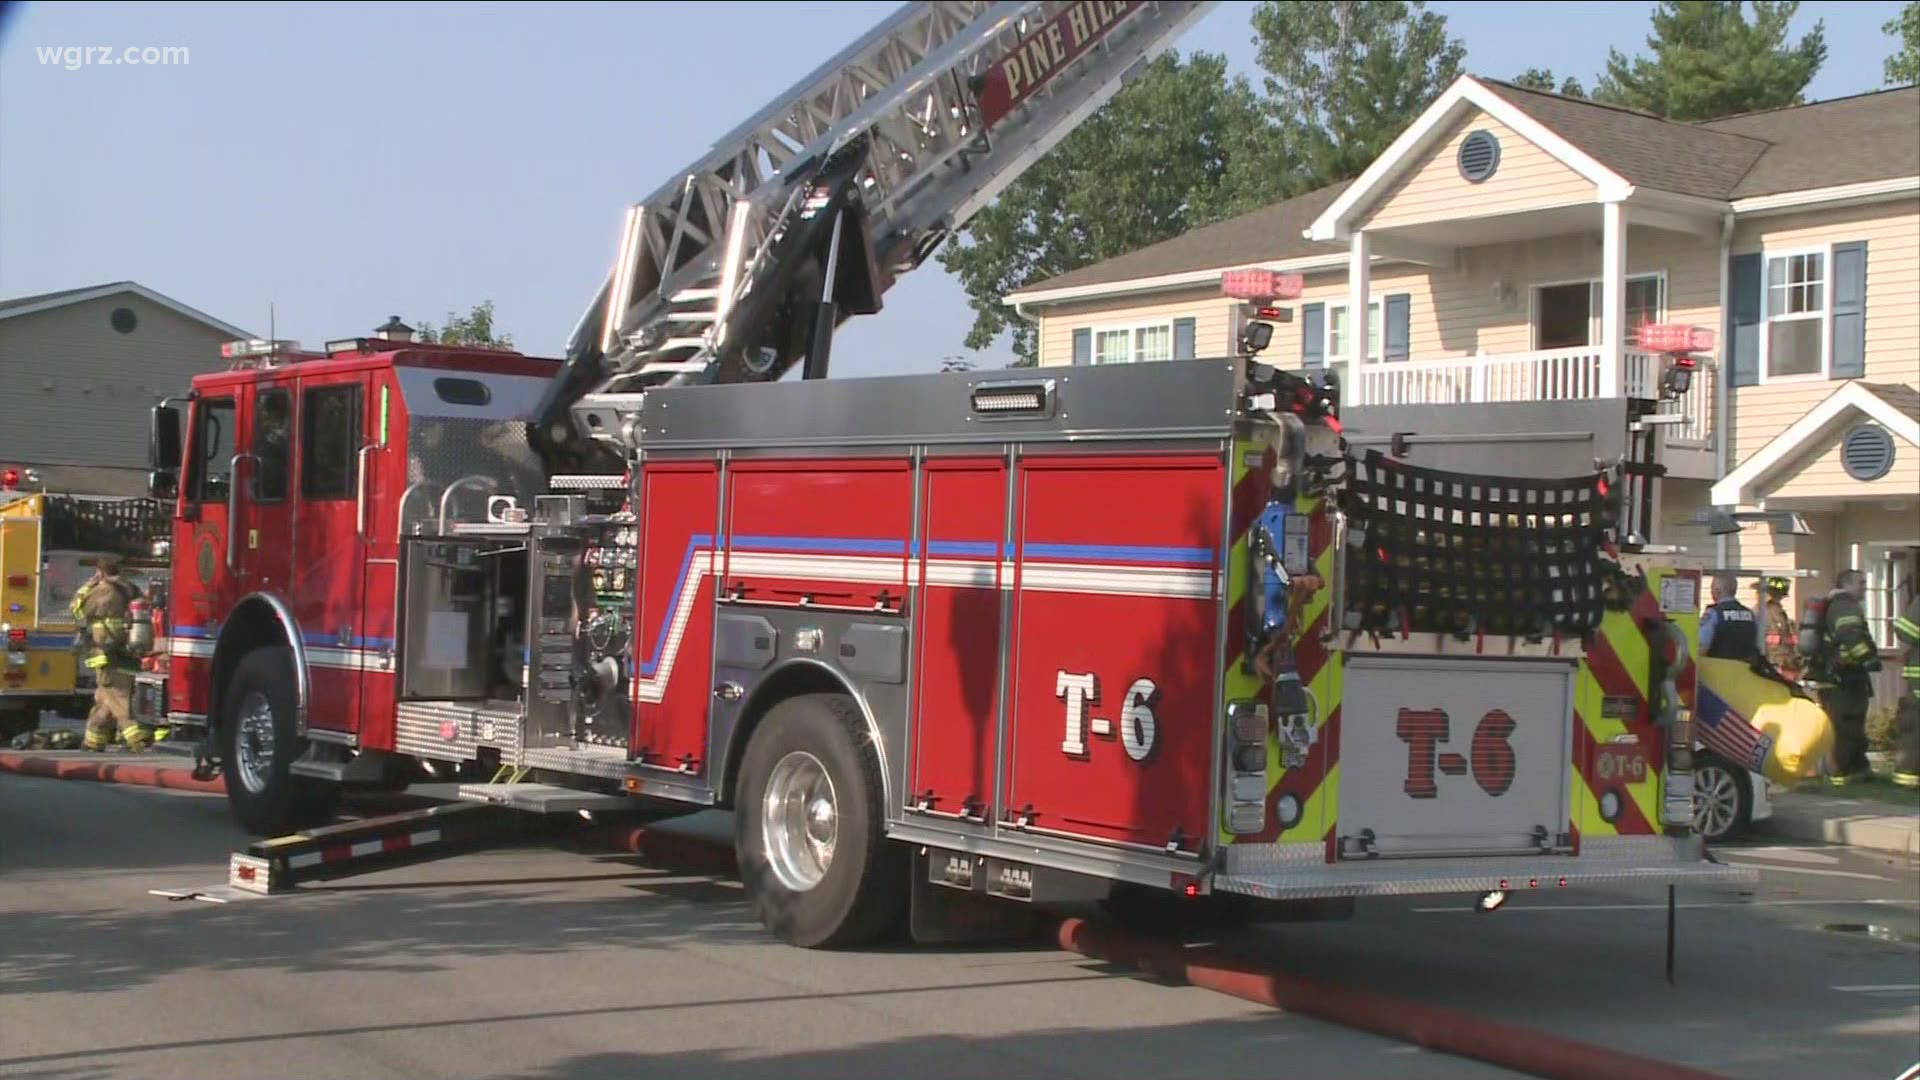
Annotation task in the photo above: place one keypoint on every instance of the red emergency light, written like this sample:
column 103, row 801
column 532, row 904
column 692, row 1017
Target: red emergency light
column 9, row 479
column 1675, row 338
column 16, row 638
column 1261, row 285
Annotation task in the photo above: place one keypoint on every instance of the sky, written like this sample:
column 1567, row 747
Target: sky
column 328, row 165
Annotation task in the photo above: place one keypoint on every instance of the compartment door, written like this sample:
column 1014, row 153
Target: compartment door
column 958, row 636
column 1114, row 676
column 673, row 632
column 1454, row 756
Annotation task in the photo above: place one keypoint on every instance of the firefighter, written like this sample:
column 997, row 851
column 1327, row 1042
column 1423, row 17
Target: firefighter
column 1728, row 630
column 1844, row 657
column 1778, row 639
column 1906, row 768
column 100, row 609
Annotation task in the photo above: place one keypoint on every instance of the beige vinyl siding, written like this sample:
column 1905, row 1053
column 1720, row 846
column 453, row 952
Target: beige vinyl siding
column 79, row 391
column 1822, row 476
column 1212, row 316
column 1461, row 311
column 1892, row 233
column 1528, row 178
column 1680, row 501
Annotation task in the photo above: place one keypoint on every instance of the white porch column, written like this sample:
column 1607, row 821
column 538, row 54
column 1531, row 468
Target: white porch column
column 1359, row 285
column 1613, row 297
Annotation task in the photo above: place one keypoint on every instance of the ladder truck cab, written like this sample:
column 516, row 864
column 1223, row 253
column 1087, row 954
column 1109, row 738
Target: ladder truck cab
column 1184, row 629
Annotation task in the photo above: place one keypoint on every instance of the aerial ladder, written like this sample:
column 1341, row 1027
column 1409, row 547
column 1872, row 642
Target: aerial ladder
column 744, row 263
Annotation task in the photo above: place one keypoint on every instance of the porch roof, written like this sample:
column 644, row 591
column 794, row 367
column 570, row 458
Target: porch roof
column 1895, row 406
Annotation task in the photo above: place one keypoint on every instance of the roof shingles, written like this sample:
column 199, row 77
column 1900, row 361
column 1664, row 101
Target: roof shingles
column 1874, row 136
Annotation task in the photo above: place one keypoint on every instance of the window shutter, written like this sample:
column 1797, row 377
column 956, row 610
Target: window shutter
column 1850, row 310
column 1083, row 346
column 1743, row 318
column 1183, row 339
column 1313, row 335
column 1396, row 316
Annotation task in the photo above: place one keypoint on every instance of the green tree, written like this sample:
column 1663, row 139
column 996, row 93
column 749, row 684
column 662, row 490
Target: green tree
column 1903, row 66
column 474, row 329
column 1345, row 78
column 1179, row 147
column 1709, row 59
column 1542, row 79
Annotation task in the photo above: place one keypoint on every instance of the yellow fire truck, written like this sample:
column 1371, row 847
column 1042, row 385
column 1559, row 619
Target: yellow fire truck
column 48, row 546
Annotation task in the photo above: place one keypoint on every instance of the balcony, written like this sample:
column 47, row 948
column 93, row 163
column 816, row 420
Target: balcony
column 1575, row 374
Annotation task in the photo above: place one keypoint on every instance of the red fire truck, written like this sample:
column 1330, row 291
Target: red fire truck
column 1185, row 627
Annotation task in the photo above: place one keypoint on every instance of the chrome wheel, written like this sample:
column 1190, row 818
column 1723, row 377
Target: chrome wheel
column 253, row 746
column 799, row 821
column 1716, row 800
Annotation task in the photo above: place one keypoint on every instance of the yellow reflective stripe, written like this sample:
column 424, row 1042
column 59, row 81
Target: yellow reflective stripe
column 97, row 661
column 1847, row 620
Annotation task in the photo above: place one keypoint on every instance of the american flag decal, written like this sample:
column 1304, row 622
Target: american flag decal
column 1727, row 733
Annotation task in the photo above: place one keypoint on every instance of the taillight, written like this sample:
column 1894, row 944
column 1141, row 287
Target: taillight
column 1247, row 730
column 16, row 639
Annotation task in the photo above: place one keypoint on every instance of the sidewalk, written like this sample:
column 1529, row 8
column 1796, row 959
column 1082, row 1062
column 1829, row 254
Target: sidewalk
column 1886, row 820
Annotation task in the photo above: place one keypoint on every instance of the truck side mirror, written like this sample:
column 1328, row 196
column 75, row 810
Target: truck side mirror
column 163, row 441
column 161, row 485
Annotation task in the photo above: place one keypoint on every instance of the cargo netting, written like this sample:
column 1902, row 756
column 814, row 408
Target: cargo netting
column 123, row 526
column 1431, row 551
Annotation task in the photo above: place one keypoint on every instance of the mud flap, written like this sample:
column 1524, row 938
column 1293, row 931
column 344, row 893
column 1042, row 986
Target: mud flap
column 954, row 915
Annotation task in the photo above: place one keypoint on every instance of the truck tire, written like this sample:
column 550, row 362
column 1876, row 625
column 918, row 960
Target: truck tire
column 808, row 828
column 259, row 739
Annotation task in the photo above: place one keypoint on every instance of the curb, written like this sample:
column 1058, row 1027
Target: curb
column 109, row 772
column 1208, row 968
column 1445, row 1030
column 1886, row 833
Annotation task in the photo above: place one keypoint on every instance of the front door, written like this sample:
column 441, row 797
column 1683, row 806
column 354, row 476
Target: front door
column 204, row 583
column 328, row 583
column 265, row 546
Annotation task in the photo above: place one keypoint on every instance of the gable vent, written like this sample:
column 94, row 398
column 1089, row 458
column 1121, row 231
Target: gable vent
column 1479, row 156
column 1867, row 452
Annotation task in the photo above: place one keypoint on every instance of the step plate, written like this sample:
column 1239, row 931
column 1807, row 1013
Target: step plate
column 1654, row 861
column 606, row 762
column 542, row 798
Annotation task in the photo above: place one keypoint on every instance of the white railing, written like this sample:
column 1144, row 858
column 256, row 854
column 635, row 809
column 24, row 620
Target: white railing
column 1574, row 374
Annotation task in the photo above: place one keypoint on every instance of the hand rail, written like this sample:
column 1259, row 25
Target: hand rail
column 233, row 505
column 455, row 486
column 360, row 491
column 400, row 512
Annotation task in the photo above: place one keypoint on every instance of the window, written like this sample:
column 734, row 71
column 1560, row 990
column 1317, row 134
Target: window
column 1643, row 304
column 1133, row 344
column 272, row 444
column 455, row 391
column 211, row 461
column 1796, row 300
column 1112, row 346
column 330, row 439
column 1890, row 584
column 1339, row 339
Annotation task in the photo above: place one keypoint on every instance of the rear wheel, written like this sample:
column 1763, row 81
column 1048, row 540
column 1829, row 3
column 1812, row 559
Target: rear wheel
column 259, row 740
column 807, row 823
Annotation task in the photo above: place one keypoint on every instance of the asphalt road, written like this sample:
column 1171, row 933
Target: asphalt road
column 547, row 963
